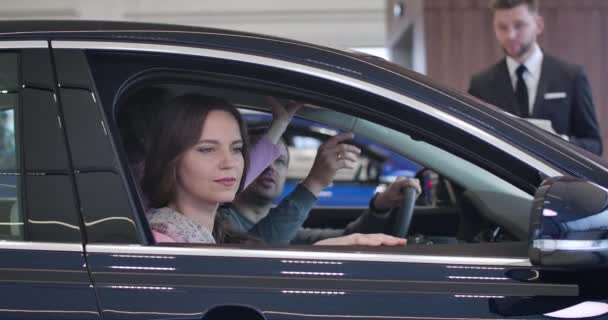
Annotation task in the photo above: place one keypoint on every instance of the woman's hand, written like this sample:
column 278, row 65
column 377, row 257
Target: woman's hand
column 360, row 239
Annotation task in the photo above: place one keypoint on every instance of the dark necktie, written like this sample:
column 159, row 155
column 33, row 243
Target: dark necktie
column 521, row 92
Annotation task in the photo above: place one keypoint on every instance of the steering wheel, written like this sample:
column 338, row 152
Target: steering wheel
column 404, row 213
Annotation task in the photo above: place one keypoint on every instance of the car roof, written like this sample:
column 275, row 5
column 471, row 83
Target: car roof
column 375, row 71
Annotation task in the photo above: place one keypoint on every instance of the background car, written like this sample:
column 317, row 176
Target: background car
column 527, row 238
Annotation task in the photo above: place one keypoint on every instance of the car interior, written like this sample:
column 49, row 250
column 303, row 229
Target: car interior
column 480, row 206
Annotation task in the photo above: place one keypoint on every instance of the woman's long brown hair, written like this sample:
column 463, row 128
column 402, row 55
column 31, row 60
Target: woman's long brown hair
column 179, row 128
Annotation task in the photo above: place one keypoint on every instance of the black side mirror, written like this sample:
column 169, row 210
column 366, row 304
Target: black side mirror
column 569, row 224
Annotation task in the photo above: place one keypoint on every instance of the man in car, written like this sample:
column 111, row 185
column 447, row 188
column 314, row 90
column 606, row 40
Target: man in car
column 252, row 210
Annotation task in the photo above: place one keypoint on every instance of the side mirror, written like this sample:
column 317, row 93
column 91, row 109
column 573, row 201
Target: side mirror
column 569, row 224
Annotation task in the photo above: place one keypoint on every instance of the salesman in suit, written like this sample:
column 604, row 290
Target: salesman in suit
column 532, row 84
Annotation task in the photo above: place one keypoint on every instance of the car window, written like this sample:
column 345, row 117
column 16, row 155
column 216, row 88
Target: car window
column 487, row 188
column 37, row 197
column 11, row 222
column 474, row 212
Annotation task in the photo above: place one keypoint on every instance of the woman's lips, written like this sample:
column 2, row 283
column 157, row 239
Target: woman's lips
column 228, row 182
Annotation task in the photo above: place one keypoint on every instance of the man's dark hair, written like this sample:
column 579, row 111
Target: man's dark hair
column 509, row 4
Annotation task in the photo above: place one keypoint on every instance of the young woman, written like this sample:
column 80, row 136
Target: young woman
column 138, row 118
column 197, row 161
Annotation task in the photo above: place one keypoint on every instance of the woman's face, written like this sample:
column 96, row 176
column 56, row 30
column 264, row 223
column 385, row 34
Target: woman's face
column 211, row 170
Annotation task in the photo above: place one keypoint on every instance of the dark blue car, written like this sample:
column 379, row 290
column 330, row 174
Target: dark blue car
column 523, row 236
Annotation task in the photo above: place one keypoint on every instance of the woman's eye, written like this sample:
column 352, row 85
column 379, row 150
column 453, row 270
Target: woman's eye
column 238, row 149
column 205, row 149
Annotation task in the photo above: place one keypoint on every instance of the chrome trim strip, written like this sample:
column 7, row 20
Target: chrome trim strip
column 40, row 246
column 549, row 245
column 503, row 145
column 23, row 44
column 304, row 255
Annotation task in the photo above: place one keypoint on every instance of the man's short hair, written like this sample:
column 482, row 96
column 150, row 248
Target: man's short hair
column 509, row 4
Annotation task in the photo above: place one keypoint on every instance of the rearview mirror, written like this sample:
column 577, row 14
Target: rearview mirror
column 569, row 224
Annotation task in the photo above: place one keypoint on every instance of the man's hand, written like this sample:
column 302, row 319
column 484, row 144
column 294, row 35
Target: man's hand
column 358, row 239
column 392, row 196
column 331, row 157
column 281, row 117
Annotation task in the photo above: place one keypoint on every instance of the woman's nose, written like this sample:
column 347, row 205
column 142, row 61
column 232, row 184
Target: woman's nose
column 229, row 159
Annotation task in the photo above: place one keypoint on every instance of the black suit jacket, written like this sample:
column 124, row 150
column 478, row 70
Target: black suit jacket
column 563, row 96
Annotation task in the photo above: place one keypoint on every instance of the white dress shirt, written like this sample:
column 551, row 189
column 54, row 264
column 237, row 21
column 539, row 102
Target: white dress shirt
column 531, row 75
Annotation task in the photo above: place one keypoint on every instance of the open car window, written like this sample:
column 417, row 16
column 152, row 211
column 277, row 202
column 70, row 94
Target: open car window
column 487, row 208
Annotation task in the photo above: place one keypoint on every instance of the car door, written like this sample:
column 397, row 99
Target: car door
column 137, row 279
column 43, row 272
